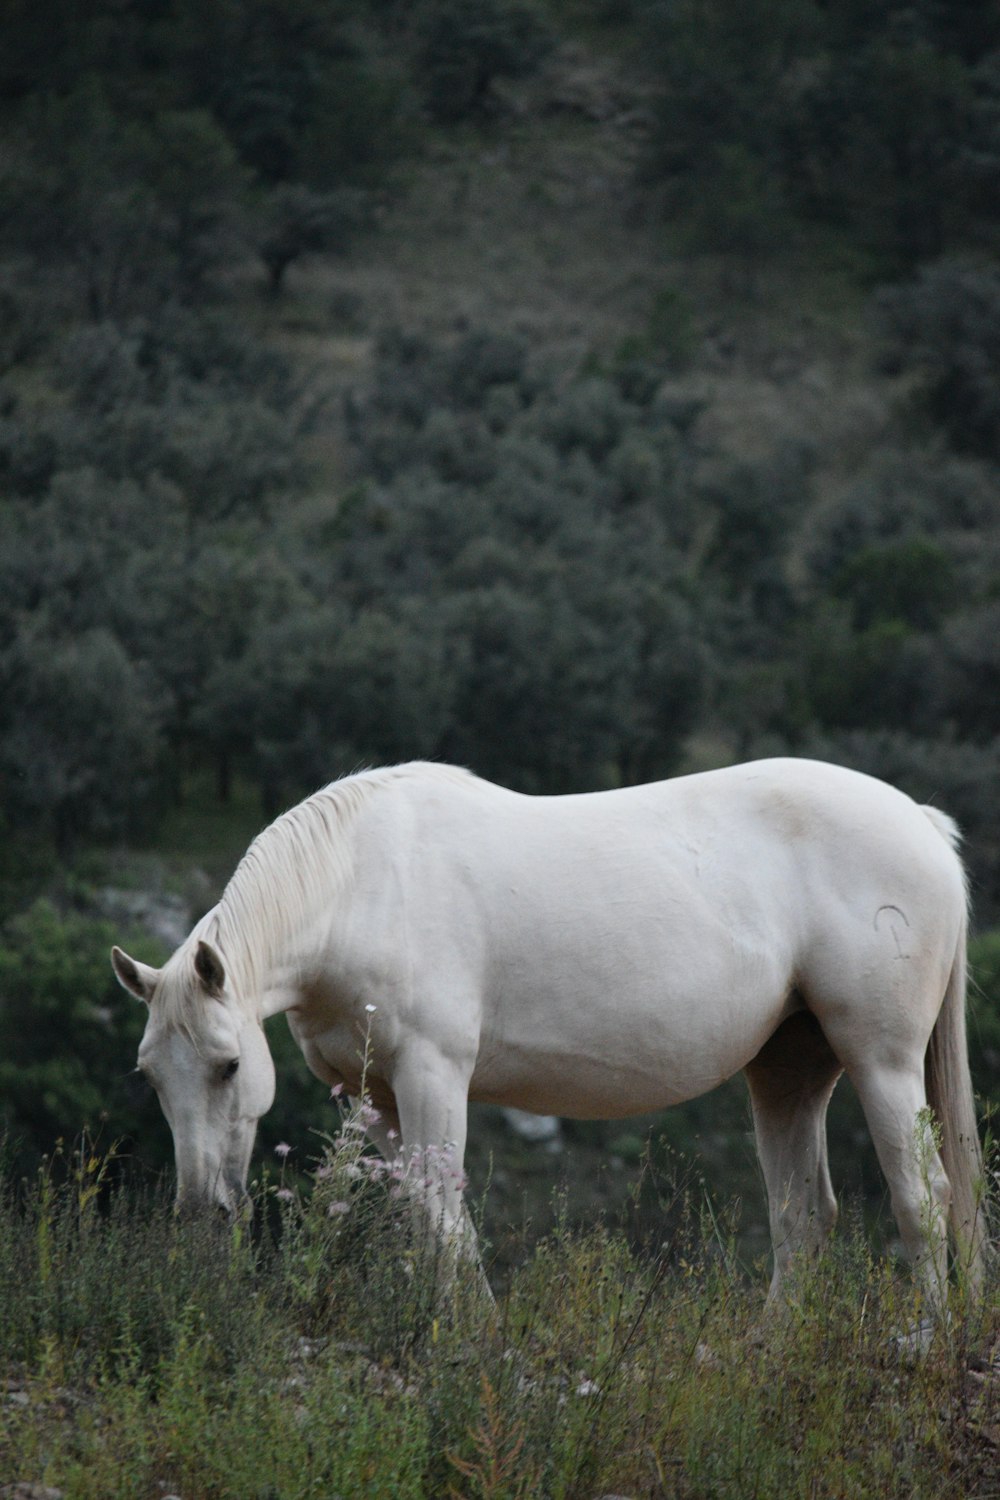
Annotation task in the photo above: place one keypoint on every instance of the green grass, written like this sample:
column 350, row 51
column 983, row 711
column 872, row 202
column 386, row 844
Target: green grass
column 324, row 1356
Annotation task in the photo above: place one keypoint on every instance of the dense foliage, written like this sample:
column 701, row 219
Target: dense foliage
column 877, row 121
column 531, row 573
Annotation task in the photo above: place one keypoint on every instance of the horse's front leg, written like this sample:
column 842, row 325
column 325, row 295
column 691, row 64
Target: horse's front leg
column 431, row 1092
column 382, row 1129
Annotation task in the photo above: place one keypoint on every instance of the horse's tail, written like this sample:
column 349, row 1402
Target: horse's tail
column 950, row 1096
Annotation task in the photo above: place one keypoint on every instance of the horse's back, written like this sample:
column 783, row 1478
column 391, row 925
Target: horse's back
column 794, row 845
column 850, row 828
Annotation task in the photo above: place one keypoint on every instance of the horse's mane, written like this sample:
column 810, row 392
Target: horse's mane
column 287, row 876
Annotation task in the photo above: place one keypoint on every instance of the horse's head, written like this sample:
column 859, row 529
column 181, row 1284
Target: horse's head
column 209, row 1063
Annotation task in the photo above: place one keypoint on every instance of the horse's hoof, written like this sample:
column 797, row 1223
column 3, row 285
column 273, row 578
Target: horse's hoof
column 916, row 1341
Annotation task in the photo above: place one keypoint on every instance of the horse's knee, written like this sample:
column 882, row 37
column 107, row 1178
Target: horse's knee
column 806, row 1227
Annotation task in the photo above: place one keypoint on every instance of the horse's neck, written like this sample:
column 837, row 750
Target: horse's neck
column 288, row 978
column 280, row 989
column 275, row 910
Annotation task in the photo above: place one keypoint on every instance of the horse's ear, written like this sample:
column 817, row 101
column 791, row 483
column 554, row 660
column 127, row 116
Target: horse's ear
column 139, row 979
column 210, row 969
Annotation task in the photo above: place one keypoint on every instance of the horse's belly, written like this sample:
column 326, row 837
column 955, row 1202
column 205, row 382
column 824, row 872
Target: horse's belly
column 595, row 1059
column 585, row 1090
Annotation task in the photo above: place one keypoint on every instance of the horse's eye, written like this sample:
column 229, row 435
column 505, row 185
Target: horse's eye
column 229, row 1071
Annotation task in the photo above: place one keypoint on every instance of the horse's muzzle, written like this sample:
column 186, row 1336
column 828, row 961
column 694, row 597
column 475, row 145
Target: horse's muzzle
column 232, row 1203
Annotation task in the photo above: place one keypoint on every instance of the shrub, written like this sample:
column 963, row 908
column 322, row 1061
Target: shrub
column 912, row 580
column 463, row 50
column 80, row 755
column 67, row 1041
column 945, row 328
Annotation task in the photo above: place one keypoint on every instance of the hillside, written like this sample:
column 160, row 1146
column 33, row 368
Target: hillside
column 538, row 223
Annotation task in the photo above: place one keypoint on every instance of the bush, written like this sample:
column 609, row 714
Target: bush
column 945, row 328
column 80, row 755
column 67, row 1039
column 912, row 581
column 901, row 498
column 464, row 49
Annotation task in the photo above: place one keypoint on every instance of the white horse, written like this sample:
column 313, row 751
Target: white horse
column 592, row 956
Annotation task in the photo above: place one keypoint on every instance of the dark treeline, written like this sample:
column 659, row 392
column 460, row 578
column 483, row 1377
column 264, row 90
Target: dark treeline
column 532, row 570
column 878, row 120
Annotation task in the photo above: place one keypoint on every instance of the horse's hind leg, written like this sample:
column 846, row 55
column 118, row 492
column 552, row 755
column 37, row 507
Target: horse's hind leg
column 791, row 1080
column 894, row 1101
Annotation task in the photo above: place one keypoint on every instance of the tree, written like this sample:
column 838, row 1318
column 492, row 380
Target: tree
column 299, row 98
column 79, row 735
column 944, row 326
column 911, row 580
column 464, row 49
column 720, row 142
column 257, row 706
column 886, row 676
column 299, row 221
column 74, row 194
column 200, row 189
column 321, row 690
column 888, row 124
column 741, row 212
column 136, row 208
column 67, row 1040
column 972, row 641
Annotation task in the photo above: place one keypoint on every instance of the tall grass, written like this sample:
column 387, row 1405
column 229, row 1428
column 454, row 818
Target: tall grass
column 329, row 1354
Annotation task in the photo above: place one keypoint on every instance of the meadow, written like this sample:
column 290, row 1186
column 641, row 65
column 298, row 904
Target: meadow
column 318, row 1352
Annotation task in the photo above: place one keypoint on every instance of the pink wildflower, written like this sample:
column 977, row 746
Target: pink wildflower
column 282, row 1149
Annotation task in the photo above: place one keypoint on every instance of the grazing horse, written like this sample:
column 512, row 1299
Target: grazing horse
column 433, row 938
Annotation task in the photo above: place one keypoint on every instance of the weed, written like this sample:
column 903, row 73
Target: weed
column 336, row 1352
